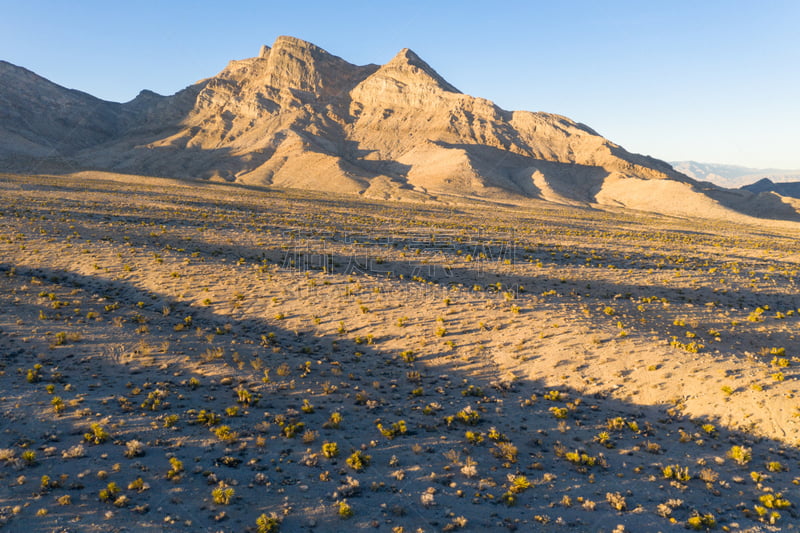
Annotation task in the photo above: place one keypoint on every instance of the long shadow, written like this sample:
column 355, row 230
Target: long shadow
column 367, row 256
column 370, row 257
column 376, row 258
column 451, row 245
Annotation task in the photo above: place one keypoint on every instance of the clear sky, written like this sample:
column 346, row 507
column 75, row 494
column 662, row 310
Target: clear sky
column 709, row 80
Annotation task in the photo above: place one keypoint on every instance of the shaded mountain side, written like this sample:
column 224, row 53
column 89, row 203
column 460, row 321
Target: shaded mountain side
column 298, row 116
column 41, row 119
column 765, row 185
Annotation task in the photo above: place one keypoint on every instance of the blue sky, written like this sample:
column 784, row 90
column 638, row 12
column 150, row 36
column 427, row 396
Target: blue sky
column 713, row 81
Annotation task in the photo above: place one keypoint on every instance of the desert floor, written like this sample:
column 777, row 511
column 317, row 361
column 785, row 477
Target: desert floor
column 207, row 357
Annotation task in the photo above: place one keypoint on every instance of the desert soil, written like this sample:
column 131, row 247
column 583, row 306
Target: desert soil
column 207, row 357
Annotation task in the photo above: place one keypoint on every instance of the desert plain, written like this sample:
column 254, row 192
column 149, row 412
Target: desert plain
column 199, row 356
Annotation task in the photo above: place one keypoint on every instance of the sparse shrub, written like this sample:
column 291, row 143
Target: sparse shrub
column 34, row 374
column 740, row 454
column 334, row 420
column 206, row 418
column 290, row 430
column 223, row 495
column 330, row 449
column 774, row 500
column 616, row 424
column 268, row 524
column 678, row 473
column 708, row 476
column 496, row 435
column 468, row 416
column 698, row 522
column 225, row 434
column 97, row 435
column 605, row 439
column 553, row 395
column 358, row 460
column 581, row 459
column 616, row 501
column 398, row 428
column 473, row 437
column 58, row 404
column 343, row 509
column 780, row 362
column 110, row 492
column 505, row 451
column 518, row 483
column 133, row 448
column 776, row 466
column 176, row 468
column 469, row 468
column 138, row 485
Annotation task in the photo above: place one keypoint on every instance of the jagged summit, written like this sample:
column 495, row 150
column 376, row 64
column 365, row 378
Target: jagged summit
column 296, row 115
column 409, row 63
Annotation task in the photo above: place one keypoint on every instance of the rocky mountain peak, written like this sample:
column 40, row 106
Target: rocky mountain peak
column 409, row 68
column 296, row 65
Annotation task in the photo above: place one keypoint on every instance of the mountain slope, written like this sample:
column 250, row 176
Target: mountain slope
column 298, row 116
column 39, row 118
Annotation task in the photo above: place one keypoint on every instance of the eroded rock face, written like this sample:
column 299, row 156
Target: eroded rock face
column 298, row 116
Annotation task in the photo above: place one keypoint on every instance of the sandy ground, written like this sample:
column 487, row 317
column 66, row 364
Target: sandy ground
column 207, row 357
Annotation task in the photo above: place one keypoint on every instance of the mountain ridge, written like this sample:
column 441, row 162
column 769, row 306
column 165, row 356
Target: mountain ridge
column 296, row 115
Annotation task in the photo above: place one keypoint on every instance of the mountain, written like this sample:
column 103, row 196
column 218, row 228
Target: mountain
column 298, row 116
column 732, row 175
column 789, row 189
column 39, row 118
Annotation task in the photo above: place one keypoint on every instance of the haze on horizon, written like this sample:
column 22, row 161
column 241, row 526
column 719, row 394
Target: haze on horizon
column 712, row 82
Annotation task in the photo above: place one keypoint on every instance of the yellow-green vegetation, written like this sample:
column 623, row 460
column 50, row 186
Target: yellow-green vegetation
column 344, row 509
column 740, row 454
column 330, row 449
column 223, row 495
column 701, row 522
column 96, row 435
column 358, row 460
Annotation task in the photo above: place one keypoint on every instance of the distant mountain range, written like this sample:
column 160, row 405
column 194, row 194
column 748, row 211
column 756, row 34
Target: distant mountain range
column 298, row 116
column 733, row 176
